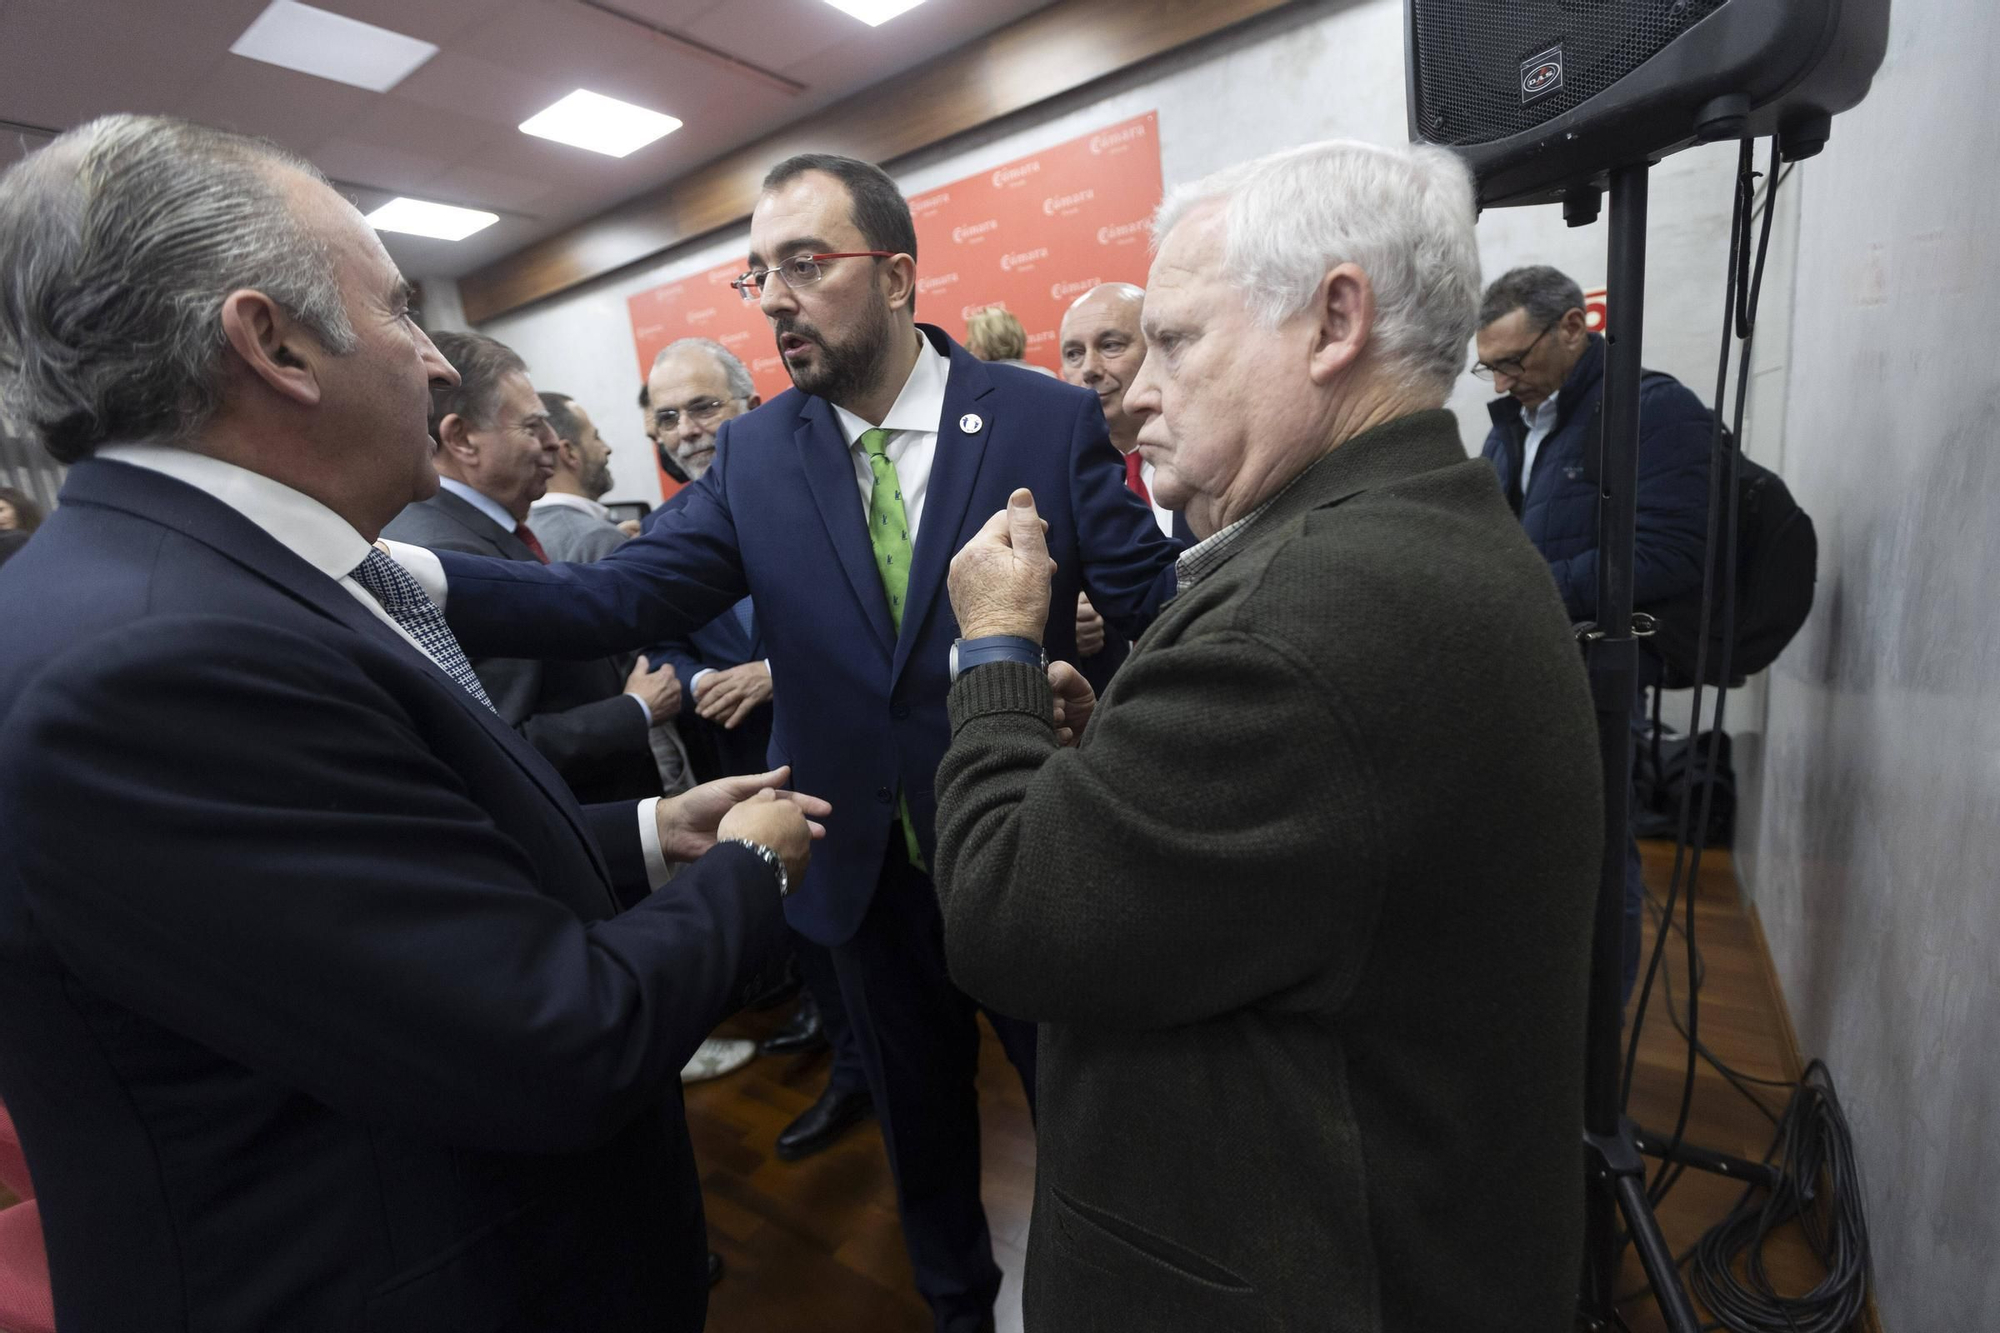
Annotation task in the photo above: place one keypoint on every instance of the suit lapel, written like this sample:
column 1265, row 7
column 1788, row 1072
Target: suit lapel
column 968, row 393
column 461, row 511
column 829, row 470
column 205, row 519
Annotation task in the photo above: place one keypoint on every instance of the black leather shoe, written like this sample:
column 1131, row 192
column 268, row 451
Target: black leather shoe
column 824, row 1121
column 714, row 1268
column 803, row 1032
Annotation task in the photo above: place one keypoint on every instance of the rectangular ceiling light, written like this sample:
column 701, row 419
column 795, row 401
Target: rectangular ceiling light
column 874, row 12
column 332, row 46
column 418, row 217
column 601, row 124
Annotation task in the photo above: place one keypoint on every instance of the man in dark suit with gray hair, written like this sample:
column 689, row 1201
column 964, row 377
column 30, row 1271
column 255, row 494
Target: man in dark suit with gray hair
column 1303, row 905
column 324, row 1004
column 495, row 454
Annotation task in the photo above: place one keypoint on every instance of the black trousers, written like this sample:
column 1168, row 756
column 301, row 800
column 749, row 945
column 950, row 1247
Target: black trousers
column 919, row 1040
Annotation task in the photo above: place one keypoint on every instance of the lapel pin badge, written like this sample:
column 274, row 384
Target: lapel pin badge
column 970, row 423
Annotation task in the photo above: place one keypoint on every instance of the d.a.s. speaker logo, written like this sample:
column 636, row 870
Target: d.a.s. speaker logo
column 1542, row 74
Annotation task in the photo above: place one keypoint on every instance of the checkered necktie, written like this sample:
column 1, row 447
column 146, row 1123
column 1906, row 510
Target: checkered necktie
column 409, row 606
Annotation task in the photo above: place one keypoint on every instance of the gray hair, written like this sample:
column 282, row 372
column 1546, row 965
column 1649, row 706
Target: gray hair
column 1547, row 294
column 118, row 243
column 1404, row 215
column 733, row 370
column 481, row 363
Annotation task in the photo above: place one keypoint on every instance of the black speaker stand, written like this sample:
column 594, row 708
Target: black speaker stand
column 1616, row 1173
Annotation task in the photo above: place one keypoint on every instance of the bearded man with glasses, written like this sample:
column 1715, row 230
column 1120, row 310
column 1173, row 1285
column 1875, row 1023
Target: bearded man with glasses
column 1549, row 368
column 837, row 506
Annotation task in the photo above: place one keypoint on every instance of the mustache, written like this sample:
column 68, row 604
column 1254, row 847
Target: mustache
column 796, row 328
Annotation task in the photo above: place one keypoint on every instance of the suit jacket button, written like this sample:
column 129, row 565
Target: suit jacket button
column 900, row 711
column 884, row 795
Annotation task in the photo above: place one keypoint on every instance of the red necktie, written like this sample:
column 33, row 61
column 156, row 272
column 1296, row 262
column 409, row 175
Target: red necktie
column 529, row 540
column 1133, row 481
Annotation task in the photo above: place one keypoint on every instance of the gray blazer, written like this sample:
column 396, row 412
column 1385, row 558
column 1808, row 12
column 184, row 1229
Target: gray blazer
column 570, row 534
column 1306, row 920
column 575, row 713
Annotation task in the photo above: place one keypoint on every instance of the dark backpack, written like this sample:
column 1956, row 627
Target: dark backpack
column 1777, row 560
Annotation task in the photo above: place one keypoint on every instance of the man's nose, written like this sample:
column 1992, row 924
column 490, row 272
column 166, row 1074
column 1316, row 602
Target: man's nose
column 775, row 297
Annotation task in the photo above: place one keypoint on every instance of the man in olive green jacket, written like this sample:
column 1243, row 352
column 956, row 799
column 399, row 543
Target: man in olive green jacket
column 1304, row 908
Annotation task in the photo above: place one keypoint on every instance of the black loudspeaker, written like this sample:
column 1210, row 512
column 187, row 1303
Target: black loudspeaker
column 1542, row 97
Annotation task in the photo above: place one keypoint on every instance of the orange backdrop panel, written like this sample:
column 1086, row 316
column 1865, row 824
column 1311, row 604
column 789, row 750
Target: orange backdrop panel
column 1036, row 233
column 1031, row 235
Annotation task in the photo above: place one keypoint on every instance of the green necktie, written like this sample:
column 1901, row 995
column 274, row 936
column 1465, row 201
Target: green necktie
column 889, row 538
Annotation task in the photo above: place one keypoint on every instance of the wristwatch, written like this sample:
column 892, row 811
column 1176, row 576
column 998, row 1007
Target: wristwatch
column 769, row 858
column 969, row 653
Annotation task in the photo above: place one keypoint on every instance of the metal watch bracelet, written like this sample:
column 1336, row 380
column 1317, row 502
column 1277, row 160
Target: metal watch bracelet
column 771, row 859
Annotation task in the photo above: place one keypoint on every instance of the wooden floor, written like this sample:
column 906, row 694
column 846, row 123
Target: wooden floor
column 815, row 1245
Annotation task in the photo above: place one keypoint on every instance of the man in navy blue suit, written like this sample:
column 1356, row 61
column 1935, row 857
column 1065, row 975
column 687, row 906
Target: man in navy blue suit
column 838, row 505
column 324, row 1004
column 697, row 384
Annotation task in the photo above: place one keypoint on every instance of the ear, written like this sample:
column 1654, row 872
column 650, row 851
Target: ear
column 1575, row 325
column 902, row 280
column 568, row 456
column 753, row 403
column 272, row 345
column 1344, row 306
column 454, row 435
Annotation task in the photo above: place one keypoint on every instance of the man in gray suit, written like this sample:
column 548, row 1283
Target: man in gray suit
column 1304, row 904
column 569, row 519
column 495, row 454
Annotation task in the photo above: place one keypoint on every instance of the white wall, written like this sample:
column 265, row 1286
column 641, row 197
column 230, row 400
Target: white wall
column 1317, row 71
column 1873, row 830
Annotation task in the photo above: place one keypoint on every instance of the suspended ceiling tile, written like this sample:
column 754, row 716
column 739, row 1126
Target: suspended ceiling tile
column 455, row 81
column 298, row 110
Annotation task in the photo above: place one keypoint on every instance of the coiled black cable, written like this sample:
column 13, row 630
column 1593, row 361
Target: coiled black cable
column 1820, row 1188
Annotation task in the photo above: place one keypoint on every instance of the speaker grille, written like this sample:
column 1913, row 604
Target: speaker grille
column 1478, row 62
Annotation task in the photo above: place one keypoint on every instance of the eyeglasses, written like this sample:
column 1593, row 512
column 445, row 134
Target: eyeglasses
column 702, row 411
column 798, row 271
column 1511, row 366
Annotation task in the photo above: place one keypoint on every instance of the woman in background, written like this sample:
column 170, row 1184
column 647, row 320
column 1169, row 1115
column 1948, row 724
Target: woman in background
column 993, row 334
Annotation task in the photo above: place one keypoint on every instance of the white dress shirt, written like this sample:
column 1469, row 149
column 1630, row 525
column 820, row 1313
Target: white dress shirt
column 324, row 540
column 1161, row 515
column 1539, row 423
column 912, row 424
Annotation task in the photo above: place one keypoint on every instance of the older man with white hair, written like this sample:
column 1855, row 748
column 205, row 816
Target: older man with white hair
column 1304, row 904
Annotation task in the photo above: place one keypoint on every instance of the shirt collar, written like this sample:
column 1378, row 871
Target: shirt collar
column 919, row 407
column 565, row 500
column 293, row 519
column 1206, row 556
column 481, row 501
column 1544, row 413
